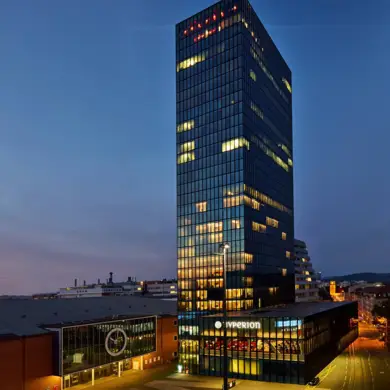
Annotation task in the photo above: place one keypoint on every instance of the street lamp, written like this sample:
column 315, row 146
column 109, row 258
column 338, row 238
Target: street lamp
column 224, row 248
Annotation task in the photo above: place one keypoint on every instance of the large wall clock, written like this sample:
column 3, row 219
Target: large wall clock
column 116, row 341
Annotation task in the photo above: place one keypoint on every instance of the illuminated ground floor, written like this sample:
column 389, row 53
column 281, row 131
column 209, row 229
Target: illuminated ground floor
column 288, row 344
column 116, row 369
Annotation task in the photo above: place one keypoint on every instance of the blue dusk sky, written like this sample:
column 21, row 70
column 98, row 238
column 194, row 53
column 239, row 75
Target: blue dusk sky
column 87, row 135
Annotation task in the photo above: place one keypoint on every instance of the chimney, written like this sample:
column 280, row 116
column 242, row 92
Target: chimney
column 110, row 280
column 85, row 283
column 75, row 282
column 129, row 279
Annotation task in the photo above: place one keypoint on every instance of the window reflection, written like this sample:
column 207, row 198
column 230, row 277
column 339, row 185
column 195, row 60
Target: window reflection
column 87, row 346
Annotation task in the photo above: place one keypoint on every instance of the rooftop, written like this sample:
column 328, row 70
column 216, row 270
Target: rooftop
column 28, row 317
column 301, row 310
column 375, row 289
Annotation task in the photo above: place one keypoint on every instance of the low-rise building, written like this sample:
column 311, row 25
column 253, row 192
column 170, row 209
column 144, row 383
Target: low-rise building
column 288, row 343
column 57, row 344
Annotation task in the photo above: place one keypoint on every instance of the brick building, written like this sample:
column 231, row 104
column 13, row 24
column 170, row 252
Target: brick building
column 57, row 344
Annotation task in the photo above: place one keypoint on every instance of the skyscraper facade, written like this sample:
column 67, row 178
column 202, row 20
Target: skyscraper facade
column 234, row 168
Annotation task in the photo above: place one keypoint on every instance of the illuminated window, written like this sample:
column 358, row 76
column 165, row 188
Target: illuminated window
column 273, row 290
column 284, row 236
column 252, row 202
column 210, row 227
column 215, row 226
column 287, row 84
column 257, row 110
column 297, row 287
column 191, row 61
column 288, row 254
column 185, row 157
column 290, row 162
column 266, row 199
column 186, row 252
column 185, row 126
column 270, row 153
column 187, row 147
column 252, row 75
column 236, row 224
column 308, row 279
column 201, row 207
column 248, row 258
column 235, row 143
column 285, row 149
column 258, row 227
column 232, row 201
column 217, row 237
column 266, row 71
column 272, row 222
column 284, row 271
column 201, row 295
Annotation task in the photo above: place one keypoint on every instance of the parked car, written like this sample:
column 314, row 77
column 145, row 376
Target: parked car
column 314, row 382
column 231, row 384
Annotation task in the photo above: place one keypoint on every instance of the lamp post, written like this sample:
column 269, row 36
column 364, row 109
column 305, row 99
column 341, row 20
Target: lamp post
column 224, row 248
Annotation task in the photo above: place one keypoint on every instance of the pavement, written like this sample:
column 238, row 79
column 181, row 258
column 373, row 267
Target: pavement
column 364, row 365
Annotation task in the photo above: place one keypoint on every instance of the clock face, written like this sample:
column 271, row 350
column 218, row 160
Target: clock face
column 116, row 341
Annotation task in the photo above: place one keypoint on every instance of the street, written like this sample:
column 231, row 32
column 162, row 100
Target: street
column 362, row 366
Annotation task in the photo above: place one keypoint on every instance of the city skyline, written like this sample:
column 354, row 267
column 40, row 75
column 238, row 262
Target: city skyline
column 87, row 114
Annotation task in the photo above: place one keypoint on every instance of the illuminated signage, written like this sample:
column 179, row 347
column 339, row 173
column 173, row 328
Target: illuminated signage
column 288, row 324
column 239, row 325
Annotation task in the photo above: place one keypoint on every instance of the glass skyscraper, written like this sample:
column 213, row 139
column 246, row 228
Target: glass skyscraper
column 234, row 168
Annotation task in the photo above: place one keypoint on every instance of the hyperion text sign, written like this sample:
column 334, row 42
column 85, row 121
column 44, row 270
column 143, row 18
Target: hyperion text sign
column 239, row 325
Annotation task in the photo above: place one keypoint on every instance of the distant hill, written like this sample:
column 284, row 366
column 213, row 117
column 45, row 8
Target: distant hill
column 370, row 277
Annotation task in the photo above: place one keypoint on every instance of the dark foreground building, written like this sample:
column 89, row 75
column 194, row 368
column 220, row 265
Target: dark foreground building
column 234, row 168
column 290, row 344
column 57, row 344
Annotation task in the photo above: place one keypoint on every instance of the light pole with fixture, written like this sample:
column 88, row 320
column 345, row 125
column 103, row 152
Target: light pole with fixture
column 224, row 248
